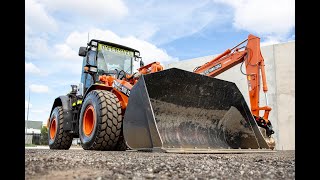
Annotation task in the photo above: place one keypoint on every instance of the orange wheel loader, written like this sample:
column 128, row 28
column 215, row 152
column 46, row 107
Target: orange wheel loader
column 172, row 110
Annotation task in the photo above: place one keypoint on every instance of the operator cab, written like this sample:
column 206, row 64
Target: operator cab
column 101, row 57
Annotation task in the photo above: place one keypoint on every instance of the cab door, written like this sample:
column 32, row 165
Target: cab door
column 86, row 78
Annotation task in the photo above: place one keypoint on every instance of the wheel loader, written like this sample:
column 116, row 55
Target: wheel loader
column 166, row 110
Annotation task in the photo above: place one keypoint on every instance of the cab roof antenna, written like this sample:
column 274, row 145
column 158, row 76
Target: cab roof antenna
column 88, row 38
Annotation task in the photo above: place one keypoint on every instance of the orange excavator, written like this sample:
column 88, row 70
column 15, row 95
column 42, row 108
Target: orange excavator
column 254, row 64
column 168, row 110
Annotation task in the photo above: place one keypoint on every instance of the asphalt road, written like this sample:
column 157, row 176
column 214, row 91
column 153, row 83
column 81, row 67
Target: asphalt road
column 98, row 165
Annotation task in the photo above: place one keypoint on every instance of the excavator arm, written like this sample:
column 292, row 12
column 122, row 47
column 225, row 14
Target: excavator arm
column 254, row 64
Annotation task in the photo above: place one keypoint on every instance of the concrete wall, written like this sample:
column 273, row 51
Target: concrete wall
column 27, row 139
column 280, row 72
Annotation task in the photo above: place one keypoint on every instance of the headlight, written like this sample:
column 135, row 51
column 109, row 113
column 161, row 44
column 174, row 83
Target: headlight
column 94, row 43
column 93, row 69
column 90, row 69
column 93, row 49
column 136, row 53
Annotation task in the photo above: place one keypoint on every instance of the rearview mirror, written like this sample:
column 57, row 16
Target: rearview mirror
column 141, row 63
column 137, row 58
column 82, row 51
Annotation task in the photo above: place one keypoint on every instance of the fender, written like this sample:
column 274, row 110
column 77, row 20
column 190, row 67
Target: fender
column 67, row 111
column 97, row 86
column 122, row 98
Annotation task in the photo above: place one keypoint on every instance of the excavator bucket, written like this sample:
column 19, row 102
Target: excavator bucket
column 184, row 112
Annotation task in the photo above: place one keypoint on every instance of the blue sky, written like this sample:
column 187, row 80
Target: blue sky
column 164, row 31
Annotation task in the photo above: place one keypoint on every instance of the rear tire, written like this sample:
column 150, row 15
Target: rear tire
column 100, row 121
column 57, row 137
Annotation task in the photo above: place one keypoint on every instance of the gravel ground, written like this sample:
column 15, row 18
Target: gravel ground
column 98, row 165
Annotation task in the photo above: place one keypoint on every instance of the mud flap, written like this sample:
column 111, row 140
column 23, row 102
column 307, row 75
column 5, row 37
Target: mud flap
column 180, row 111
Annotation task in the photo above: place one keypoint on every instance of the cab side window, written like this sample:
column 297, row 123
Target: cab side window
column 86, row 78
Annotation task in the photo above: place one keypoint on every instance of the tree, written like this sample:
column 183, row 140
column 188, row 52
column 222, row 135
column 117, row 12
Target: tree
column 44, row 135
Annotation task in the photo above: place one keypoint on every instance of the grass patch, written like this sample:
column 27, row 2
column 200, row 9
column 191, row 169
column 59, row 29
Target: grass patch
column 30, row 145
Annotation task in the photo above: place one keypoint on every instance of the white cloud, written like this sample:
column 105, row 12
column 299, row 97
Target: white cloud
column 31, row 68
column 77, row 39
column 264, row 17
column 146, row 30
column 65, row 52
column 148, row 51
column 154, row 21
column 39, row 24
column 270, row 40
column 38, row 115
column 36, row 48
column 40, row 111
column 26, row 105
column 98, row 10
column 160, row 22
column 37, row 18
column 38, row 88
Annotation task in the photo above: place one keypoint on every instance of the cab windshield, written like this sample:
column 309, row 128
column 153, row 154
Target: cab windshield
column 112, row 59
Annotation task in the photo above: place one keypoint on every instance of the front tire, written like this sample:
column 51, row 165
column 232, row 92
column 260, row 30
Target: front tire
column 100, row 121
column 121, row 146
column 57, row 137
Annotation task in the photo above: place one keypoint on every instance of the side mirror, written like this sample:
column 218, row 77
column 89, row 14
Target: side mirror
column 141, row 63
column 82, row 51
column 136, row 58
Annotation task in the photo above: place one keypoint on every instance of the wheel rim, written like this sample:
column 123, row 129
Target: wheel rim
column 88, row 121
column 53, row 128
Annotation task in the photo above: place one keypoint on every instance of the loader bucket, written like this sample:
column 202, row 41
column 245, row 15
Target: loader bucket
column 180, row 111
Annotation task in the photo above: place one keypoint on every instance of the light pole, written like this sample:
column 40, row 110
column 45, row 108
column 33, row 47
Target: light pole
column 28, row 111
